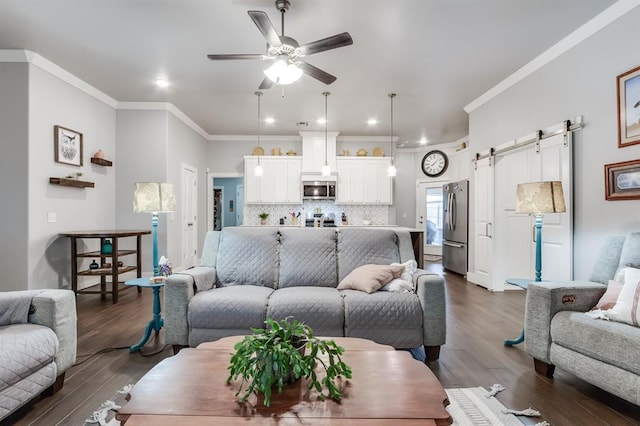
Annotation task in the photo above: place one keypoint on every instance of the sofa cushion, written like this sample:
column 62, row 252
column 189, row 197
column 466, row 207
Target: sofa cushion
column 630, row 254
column 248, row 256
column 607, row 260
column 385, row 317
column 319, row 307
column 606, row 341
column 234, row 307
column 361, row 246
column 24, row 350
column 308, row 258
column 627, row 307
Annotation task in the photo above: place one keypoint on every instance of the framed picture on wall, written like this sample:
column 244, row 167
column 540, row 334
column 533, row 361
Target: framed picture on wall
column 629, row 108
column 68, row 146
column 622, row 180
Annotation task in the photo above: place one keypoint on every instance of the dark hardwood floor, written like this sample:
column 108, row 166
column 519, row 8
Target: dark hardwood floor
column 478, row 322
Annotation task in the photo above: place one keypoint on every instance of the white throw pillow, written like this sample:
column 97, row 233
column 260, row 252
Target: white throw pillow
column 405, row 282
column 627, row 308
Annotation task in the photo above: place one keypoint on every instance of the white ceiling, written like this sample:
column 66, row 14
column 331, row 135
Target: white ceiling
column 437, row 55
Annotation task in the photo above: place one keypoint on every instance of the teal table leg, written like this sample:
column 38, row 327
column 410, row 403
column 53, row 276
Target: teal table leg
column 516, row 341
column 155, row 324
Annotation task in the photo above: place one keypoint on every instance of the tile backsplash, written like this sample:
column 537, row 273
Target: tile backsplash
column 378, row 215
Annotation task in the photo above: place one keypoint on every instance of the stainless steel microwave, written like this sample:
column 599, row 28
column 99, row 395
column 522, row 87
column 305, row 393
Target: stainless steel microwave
column 318, row 190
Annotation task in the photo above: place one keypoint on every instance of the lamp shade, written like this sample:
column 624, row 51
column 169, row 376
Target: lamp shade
column 540, row 197
column 154, row 197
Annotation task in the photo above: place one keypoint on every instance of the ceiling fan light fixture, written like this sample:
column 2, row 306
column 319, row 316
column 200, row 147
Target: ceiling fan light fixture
column 283, row 73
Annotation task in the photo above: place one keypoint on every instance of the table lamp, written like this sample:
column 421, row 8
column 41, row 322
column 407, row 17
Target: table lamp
column 538, row 198
column 154, row 198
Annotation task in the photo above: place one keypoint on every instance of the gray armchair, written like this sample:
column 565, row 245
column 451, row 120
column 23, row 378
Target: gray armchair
column 37, row 344
column 558, row 333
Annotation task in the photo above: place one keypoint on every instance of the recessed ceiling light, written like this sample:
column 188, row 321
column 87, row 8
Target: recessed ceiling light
column 161, row 82
column 372, row 121
column 269, row 120
column 321, row 121
column 423, row 141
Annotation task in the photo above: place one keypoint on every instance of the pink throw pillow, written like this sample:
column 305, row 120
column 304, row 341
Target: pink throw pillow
column 609, row 298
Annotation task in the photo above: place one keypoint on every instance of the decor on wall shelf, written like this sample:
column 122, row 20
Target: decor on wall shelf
column 276, row 151
column 291, row 152
column 362, row 152
column 68, row 146
column 98, row 158
column 622, row 180
column 378, row 152
column 70, row 182
column 628, row 85
column 154, row 198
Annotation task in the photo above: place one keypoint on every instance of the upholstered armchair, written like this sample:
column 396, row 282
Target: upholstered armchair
column 37, row 344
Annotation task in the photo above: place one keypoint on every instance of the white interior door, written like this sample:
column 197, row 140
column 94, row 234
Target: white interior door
column 557, row 230
column 189, row 215
column 429, row 206
column 483, row 225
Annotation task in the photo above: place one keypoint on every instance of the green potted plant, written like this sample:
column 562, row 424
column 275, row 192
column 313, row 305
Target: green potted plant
column 263, row 218
column 281, row 353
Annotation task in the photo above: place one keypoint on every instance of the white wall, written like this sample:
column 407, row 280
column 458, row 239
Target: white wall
column 14, row 175
column 142, row 156
column 185, row 146
column 580, row 82
column 53, row 101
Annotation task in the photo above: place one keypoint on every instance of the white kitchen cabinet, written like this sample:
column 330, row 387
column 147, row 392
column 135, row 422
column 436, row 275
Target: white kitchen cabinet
column 363, row 181
column 280, row 182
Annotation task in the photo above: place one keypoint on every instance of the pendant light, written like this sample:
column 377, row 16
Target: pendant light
column 326, row 170
column 391, row 171
column 259, row 170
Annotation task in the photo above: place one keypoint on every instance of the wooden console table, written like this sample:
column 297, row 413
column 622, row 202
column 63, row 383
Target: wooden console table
column 114, row 270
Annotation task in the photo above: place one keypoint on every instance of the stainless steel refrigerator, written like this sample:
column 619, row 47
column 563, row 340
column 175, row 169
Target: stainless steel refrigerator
column 455, row 223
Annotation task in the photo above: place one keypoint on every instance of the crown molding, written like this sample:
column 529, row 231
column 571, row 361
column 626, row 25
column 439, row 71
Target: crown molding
column 606, row 17
column 165, row 106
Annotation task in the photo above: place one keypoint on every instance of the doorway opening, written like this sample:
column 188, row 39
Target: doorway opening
column 225, row 201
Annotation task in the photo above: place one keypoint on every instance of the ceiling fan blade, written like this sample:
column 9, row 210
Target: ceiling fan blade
column 266, row 84
column 262, row 21
column 317, row 73
column 236, row 56
column 333, row 42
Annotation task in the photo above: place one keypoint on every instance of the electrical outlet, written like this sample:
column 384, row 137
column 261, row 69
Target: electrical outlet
column 51, row 217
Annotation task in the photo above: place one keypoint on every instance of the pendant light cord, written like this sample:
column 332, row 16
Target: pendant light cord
column 392, row 95
column 326, row 120
column 259, row 95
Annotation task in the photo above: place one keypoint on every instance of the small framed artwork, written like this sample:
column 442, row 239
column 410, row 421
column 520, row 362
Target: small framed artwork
column 68, row 146
column 622, row 180
column 629, row 108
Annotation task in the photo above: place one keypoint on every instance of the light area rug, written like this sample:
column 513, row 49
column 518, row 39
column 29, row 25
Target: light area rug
column 467, row 406
column 476, row 407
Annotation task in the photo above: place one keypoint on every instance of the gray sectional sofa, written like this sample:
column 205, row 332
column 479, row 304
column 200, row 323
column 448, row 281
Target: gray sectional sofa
column 559, row 333
column 37, row 344
column 248, row 274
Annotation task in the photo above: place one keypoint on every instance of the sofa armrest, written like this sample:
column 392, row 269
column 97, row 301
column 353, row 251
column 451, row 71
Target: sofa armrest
column 430, row 289
column 544, row 300
column 178, row 291
column 56, row 309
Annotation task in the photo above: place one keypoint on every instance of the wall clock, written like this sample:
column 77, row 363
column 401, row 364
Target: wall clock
column 435, row 163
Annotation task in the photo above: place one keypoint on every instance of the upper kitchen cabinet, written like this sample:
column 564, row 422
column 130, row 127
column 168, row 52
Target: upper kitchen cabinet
column 315, row 149
column 363, row 181
column 280, row 182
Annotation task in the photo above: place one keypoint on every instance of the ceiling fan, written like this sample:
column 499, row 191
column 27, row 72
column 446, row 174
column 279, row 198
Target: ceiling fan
column 286, row 53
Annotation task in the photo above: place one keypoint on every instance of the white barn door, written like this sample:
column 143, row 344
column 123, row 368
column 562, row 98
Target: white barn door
column 483, row 224
column 189, row 215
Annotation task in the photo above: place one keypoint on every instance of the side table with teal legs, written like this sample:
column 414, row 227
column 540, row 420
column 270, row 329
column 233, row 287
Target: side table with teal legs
column 156, row 323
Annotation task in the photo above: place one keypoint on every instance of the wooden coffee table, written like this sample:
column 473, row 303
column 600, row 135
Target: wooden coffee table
column 190, row 389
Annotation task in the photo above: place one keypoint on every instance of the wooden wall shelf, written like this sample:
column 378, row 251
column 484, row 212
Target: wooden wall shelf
column 101, row 162
column 71, row 182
